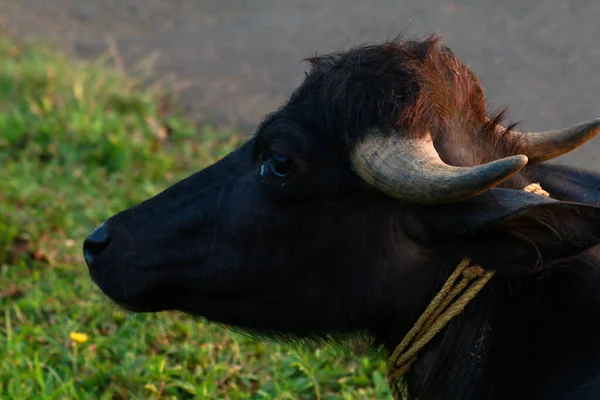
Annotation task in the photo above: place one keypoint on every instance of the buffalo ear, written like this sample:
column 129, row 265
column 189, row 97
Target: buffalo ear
column 513, row 230
column 567, row 183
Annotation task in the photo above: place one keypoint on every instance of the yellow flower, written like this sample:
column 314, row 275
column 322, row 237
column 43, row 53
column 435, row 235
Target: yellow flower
column 78, row 337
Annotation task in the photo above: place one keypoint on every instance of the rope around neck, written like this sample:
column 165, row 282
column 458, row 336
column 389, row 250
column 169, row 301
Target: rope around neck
column 434, row 319
column 439, row 312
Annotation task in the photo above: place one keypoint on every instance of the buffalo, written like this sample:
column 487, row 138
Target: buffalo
column 354, row 202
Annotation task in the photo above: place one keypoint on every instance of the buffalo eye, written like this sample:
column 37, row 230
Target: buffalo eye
column 277, row 163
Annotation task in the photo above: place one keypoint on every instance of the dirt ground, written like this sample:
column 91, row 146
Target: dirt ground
column 236, row 60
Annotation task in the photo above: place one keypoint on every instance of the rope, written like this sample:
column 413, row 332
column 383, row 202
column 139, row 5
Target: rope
column 439, row 312
column 536, row 188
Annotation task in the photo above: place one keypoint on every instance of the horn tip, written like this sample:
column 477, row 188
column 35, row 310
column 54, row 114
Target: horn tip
column 518, row 161
column 595, row 123
column 592, row 126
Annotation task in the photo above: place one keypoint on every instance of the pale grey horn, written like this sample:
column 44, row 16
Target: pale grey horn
column 411, row 170
column 543, row 146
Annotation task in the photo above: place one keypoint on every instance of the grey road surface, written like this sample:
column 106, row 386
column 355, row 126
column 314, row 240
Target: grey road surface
column 235, row 60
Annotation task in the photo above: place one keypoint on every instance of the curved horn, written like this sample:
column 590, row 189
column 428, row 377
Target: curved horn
column 543, row 146
column 411, row 170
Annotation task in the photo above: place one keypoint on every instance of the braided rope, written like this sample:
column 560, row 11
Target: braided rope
column 439, row 312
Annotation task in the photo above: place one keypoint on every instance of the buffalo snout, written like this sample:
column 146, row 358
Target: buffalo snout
column 96, row 243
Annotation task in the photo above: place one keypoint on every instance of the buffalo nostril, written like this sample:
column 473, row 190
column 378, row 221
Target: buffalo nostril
column 96, row 243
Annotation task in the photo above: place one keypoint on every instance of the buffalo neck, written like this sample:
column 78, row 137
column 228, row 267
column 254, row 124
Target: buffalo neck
column 529, row 336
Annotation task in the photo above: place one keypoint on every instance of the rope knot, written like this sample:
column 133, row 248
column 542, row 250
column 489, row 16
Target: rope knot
column 536, row 188
column 473, row 271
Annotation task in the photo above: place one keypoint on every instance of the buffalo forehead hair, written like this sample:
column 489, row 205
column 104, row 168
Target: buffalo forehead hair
column 418, row 86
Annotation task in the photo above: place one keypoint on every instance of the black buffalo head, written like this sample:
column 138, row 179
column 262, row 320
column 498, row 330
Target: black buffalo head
column 349, row 205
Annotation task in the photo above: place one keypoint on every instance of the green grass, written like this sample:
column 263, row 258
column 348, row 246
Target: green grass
column 79, row 142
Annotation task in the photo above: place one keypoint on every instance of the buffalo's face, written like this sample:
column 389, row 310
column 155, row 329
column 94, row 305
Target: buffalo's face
column 274, row 229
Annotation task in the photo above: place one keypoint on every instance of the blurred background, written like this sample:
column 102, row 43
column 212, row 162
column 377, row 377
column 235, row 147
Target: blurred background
column 236, row 60
column 106, row 102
